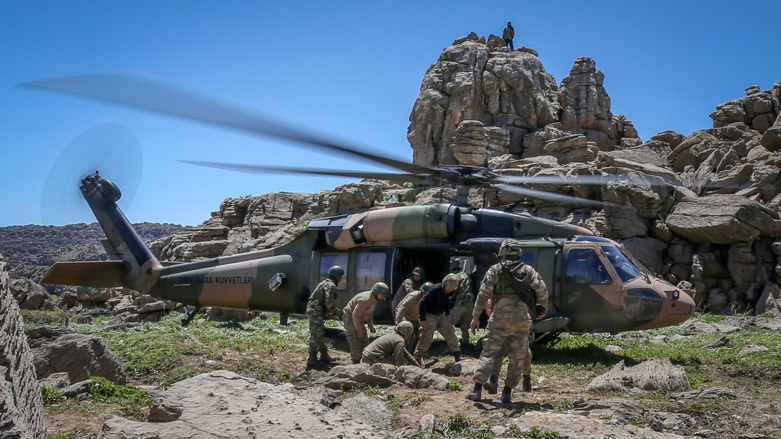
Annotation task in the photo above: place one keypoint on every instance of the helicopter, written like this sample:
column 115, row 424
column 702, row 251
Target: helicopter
column 594, row 284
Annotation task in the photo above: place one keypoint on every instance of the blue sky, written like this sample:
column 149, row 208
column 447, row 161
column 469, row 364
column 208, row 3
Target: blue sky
column 348, row 69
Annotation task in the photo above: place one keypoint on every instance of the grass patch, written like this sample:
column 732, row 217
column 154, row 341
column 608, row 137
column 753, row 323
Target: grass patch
column 74, row 433
column 453, row 385
column 51, row 395
column 34, row 318
column 104, row 390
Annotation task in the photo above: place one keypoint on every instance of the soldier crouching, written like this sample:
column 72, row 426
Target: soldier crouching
column 359, row 311
column 391, row 348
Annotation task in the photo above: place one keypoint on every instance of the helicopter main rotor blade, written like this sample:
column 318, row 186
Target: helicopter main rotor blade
column 258, row 169
column 543, row 195
column 151, row 93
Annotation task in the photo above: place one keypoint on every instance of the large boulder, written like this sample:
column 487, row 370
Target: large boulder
column 224, row 404
column 82, row 356
column 722, row 219
column 30, row 295
column 21, row 407
column 653, row 374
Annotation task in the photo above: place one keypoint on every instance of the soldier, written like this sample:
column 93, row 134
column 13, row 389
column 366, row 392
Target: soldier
column 409, row 285
column 509, row 285
column 435, row 316
column 360, row 310
column 461, row 314
column 409, row 310
column 391, row 348
column 508, row 34
column 320, row 307
column 493, row 381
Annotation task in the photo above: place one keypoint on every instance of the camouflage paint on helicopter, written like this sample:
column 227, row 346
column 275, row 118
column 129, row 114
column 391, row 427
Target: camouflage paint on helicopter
column 627, row 297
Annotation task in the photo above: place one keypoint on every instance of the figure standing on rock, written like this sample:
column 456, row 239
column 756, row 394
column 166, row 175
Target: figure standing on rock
column 359, row 311
column 321, row 306
column 508, row 34
column 510, row 285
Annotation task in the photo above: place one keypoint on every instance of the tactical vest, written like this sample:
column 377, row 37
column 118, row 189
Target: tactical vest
column 317, row 300
column 504, row 287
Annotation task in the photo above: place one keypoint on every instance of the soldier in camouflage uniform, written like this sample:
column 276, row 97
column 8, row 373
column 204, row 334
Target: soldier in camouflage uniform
column 409, row 310
column 493, row 381
column 321, row 306
column 409, row 285
column 359, row 311
column 391, row 348
column 461, row 314
column 510, row 320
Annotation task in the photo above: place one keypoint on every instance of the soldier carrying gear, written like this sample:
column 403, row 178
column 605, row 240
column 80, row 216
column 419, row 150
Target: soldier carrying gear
column 321, row 307
column 409, row 285
column 435, row 316
column 391, row 348
column 461, row 314
column 508, row 326
column 359, row 311
column 409, row 310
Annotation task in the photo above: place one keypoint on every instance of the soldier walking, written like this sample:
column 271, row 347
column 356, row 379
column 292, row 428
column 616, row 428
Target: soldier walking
column 508, row 34
column 509, row 284
column 493, row 381
column 359, row 311
column 321, row 306
column 409, row 310
column 461, row 314
column 391, row 348
column 435, row 316
column 409, row 285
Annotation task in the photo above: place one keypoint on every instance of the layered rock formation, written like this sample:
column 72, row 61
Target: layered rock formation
column 21, row 407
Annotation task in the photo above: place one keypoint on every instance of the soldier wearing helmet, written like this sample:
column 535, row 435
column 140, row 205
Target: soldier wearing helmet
column 435, row 316
column 359, row 311
column 409, row 285
column 321, row 306
column 391, row 348
column 461, row 314
column 508, row 326
column 409, row 310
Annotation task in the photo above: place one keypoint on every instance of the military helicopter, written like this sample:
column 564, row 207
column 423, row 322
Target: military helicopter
column 594, row 284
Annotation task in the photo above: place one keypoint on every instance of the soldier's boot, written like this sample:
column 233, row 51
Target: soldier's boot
column 457, row 357
column 527, row 383
column 475, row 394
column 492, row 385
column 446, row 350
column 324, row 357
column 464, row 338
column 312, row 361
column 507, row 395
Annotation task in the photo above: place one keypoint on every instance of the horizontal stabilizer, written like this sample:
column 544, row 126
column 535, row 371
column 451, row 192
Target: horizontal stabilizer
column 97, row 274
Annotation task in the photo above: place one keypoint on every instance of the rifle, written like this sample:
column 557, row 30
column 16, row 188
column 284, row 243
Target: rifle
column 521, row 287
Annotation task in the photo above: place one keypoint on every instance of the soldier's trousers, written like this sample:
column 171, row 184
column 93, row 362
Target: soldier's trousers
column 461, row 317
column 373, row 360
column 496, row 367
column 316, row 332
column 507, row 334
column 356, row 344
column 437, row 323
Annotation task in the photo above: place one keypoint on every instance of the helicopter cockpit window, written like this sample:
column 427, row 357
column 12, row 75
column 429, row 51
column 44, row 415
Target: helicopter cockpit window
column 328, row 261
column 585, row 267
column 624, row 267
column 370, row 270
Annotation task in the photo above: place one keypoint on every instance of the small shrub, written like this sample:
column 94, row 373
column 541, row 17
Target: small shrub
column 456, row 424
column 51, row 395
column 453, row 385
column 370, row 390
column 104, row 390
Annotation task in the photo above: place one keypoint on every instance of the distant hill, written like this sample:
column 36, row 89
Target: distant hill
column 30, row 250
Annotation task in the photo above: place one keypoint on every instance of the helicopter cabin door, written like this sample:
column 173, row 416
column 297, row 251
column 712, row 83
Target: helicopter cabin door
column 588, row 292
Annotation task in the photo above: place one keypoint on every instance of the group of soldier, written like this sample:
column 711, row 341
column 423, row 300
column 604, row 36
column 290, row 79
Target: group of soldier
column 512, row 294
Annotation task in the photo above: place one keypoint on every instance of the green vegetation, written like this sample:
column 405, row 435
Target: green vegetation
column 104, row 390
column 51, row 395
column 74, row 433
column 34, row 318
column 453, row 385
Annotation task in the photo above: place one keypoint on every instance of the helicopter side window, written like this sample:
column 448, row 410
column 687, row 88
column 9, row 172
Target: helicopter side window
column 370, row 270
column 329, row 260
column 585, row 267
column 624, row 267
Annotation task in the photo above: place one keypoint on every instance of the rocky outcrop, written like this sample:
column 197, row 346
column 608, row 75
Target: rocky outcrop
column 21, row 407
column 30, row 295
column 57, row 349
column 481, row 100
column 224, row 404
column 650, row 375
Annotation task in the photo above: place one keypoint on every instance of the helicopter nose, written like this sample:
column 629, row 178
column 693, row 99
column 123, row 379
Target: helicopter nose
column 679, row 305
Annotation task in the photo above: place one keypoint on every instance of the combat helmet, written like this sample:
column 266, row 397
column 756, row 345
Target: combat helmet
column 425, row 287
column 510, row 248
column 336, row 271
column 405, row 329
column 455, row 265
column 419, row 271
column 451, row 281
column 380, row 289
